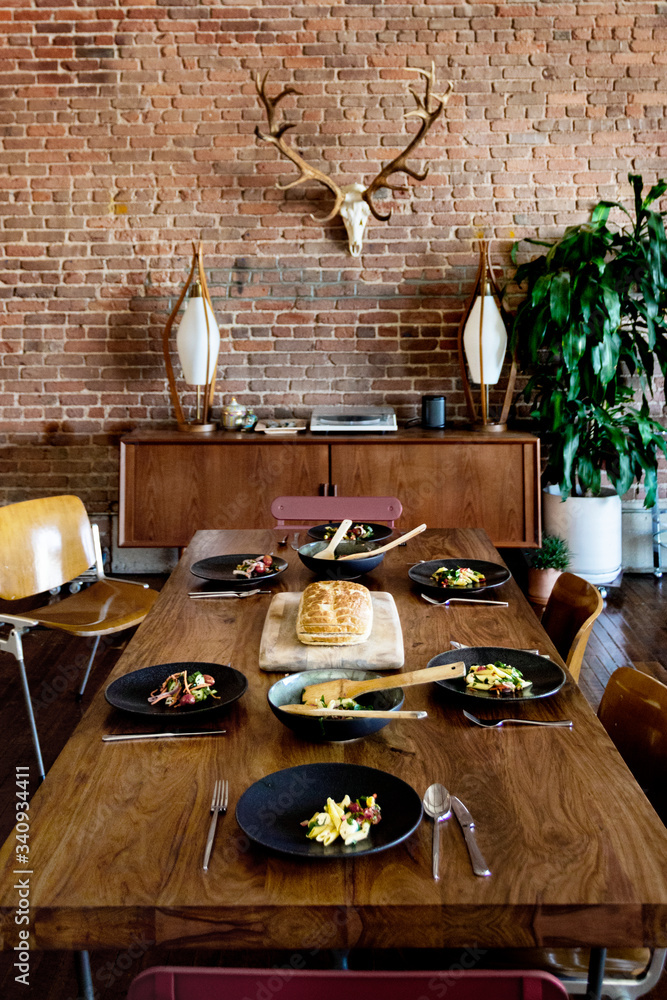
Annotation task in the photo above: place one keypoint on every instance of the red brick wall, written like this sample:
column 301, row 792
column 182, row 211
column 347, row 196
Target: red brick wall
column 127, row 132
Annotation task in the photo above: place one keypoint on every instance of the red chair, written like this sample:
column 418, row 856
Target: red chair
column 163, row 983
column 319, row 510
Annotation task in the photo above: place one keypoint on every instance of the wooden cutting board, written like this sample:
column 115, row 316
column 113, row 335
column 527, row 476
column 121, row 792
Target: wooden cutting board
column 281, row 650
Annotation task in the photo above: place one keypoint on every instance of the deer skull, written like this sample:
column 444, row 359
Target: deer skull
column 354, row 202
column 355, row 214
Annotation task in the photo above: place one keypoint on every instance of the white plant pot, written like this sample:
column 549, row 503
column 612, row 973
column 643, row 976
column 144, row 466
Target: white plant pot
column 591, row 526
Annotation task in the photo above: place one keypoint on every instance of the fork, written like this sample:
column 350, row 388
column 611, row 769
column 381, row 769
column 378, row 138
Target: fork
column 218, row 808
column 462, row 600
column 496, row 724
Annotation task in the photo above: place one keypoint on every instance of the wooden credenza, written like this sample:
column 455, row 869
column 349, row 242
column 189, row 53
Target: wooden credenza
column 172, row 483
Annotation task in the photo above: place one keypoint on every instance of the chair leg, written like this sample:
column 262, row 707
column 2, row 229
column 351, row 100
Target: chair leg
column 596, row 973
column 88, row 669
column 31, row 717
column 84, row 978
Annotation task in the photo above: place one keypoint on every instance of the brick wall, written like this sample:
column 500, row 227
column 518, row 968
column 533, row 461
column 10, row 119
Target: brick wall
column 127, row 131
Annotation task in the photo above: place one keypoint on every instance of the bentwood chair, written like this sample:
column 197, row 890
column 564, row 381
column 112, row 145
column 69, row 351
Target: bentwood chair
column 568, row 618
column 45, row 544
column 633, row 710
column 163, row 983
column 318, row 510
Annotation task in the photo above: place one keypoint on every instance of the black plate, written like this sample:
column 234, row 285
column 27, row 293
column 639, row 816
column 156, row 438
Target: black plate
column 271, row 810
column 380, row 531
column 494, row 573
column 547, row 676
column 221, row 569
column 130, row 692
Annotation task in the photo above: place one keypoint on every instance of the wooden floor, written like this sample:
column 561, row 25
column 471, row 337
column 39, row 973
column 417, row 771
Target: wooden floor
column 632, row 630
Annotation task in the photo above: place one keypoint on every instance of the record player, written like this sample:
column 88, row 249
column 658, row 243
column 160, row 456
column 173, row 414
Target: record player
column 356, row 419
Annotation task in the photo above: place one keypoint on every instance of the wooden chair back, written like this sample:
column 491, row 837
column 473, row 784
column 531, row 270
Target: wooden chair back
column 319, row 510
column 568, row 618
column 44, row 544
column 174, row 983
column 633, row 710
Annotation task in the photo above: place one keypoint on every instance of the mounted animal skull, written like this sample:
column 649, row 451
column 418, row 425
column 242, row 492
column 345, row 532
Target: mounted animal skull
column 354, row 202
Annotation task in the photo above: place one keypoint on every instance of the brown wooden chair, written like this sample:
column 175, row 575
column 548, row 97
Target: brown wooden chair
column 45, row 544
column 633, row 710
column 319, row 510
column 568, row 618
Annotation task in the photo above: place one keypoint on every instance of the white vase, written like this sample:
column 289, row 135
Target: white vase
column 592, row 528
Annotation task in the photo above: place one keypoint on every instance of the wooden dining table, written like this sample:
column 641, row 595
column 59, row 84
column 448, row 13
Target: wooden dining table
column 117, row 830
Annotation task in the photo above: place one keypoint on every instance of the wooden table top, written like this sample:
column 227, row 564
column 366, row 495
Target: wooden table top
column 117, row 831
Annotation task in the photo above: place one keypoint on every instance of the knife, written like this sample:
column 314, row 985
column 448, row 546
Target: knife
column 158, row 736
column 226, row 593
column 468, row 826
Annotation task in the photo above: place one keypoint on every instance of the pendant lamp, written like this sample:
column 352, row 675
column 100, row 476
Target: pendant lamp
column 197, row 344
column 482, row 346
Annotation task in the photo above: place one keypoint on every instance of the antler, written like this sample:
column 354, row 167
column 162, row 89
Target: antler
column 428, row 118
column 275, row 136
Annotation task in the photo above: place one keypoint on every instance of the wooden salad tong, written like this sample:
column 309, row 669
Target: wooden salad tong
column 351, row 713
column 345, row 688
column 385, row 548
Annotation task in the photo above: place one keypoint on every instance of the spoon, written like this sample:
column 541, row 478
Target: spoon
column 438, row 805
column 329, row 551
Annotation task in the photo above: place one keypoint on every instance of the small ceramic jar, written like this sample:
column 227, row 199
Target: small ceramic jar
column 232, row 415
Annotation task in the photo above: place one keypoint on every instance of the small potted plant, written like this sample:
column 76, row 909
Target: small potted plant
column 547, row 564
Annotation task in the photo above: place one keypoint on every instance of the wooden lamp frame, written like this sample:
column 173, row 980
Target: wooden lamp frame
column 202, row 426
column 479, row 419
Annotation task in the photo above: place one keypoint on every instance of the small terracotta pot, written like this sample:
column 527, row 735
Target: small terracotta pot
column 541, row 583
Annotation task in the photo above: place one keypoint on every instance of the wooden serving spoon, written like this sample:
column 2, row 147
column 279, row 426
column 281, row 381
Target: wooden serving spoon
column 330, row 551
column 342, row 687
column 384, row 548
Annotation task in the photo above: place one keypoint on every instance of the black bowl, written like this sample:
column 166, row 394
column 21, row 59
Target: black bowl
column 288, row 692
column 334, row 569
column 380, row 531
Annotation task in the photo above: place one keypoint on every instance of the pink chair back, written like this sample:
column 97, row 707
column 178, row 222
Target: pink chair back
column 319, row 510
column 163, row 983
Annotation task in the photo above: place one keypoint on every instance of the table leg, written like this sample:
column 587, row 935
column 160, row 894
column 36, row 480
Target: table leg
column 595, row 973
column 339, row 957
column 84, row 979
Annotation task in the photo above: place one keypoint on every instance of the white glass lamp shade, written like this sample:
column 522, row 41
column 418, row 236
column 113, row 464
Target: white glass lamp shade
column 195, row 346
column 494, row 341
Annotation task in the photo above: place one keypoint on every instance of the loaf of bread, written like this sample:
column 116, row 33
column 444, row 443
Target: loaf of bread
column 334, row 613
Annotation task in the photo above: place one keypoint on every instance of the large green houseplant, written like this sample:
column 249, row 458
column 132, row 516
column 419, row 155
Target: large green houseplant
column 591, row 332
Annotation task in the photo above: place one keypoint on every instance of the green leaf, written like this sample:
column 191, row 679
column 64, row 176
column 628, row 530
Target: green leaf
column 655, row 192
column 559, row 297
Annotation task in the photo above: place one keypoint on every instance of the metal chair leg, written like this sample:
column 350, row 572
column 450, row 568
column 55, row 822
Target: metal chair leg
column 596, row 973
column 88, row 669
column 31, row 719
column 84, row 978
column 12, row 644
